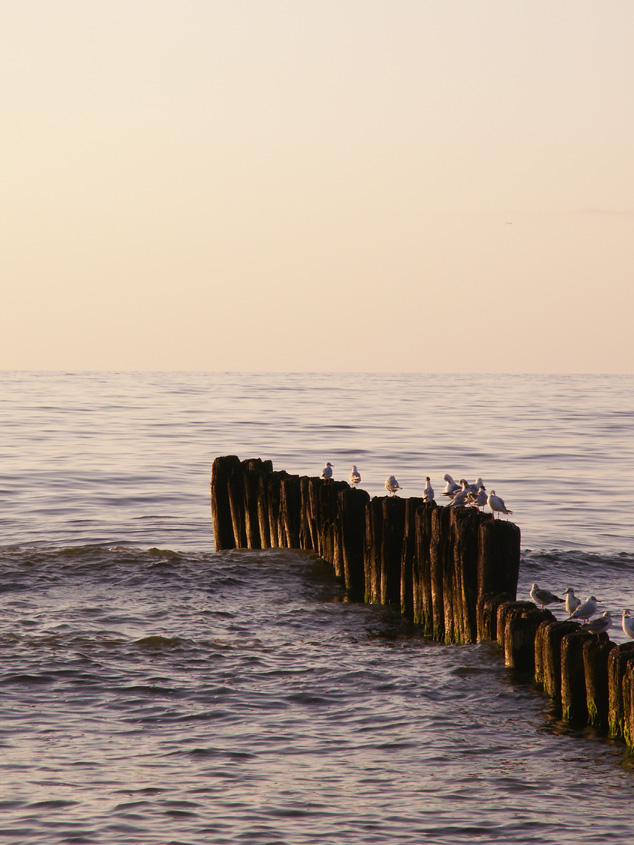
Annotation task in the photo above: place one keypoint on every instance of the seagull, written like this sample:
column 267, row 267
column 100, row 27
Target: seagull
column 496, row 504
column 460, row 499
column 326, row 472
column 451, row 487
column 599, row 625
column 628, row 623
column 478, row 500
column 355, row 475
column 392, row 485
column 475, row 487
column 586, row 609
column 543, row 597
column 428, row 492
column 572, row 602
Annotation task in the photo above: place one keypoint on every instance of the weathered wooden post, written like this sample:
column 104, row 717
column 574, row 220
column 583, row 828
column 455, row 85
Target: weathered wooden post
column 438, row 553
column 574, row 707
column 221, row 470
column 373, row 543
column 393, row 510
column 352, row 508
column 520, row 621
column 548, row 655
column 595, row 667
column 499, row 557
column 465, row 535
column 421, row 569
column 618, row 660
column 290, row 510
column 408, row 556
column 252, row 471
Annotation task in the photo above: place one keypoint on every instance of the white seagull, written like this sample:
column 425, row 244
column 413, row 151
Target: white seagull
column 599, row 625
column 392, row 485
column 478, row 500
column 572, row 602
column 428, row 492
column 326, row 472
column 451, row 487
column 475, row 487
column 355, row 475
column 586, row 609
column 496, row 504
column 460, row 498
column 628, row 623
column 543, row 597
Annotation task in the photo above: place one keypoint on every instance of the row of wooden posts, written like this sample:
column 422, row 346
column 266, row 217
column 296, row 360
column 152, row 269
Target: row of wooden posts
column 453, row 571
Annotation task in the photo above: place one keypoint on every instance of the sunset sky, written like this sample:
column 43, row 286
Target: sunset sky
column 357, row 185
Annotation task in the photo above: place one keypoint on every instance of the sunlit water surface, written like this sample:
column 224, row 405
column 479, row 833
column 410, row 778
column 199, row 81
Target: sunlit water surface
column 154, row 691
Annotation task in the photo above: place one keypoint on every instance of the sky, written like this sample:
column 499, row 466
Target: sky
column 342, row 185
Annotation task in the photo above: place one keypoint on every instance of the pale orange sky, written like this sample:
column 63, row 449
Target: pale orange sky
column 398, row 185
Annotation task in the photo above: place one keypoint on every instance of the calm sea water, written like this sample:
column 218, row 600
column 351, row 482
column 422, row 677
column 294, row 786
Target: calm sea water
column 154, row 691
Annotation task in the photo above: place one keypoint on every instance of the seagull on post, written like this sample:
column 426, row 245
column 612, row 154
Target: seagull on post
column 428, row 492
column 355, row 476
column 543, row 597
column 586, row 609
column 392, row 485
column 496, row 504
column 326, row 472
column 572, row 602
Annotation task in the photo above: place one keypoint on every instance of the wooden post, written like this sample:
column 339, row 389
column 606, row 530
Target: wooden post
column 373, row 542
column 408, row 556
column 421, row 570
column 439, row 533
column 393, row 510
column 521, row 621
column 352, row 507
column 252, row 471
column 595, row 667
column 290, row 510
column 499, row 557
column 618, row 659
column 466, row 523
column 221, row 470
column 487, row 614
column 548, row 655
column 574, row 708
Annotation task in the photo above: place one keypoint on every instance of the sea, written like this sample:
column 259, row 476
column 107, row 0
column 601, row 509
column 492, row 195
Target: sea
column 153, row 690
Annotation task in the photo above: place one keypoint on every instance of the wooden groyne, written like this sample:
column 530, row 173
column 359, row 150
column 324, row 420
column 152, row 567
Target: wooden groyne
column 453, row 571
column 448, row 569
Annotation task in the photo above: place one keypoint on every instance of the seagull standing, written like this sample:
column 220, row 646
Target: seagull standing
column 451, row 486
column 543, row 597
column 628, row 623
column 496, row 504
column 586, row 609
column 572, row 602
column 392, row 485
column 460, row 498
column 428, row 492
column 478, row 500
column 599, row 625
column 475, row 487
column 326, row 472
column 355, row 475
